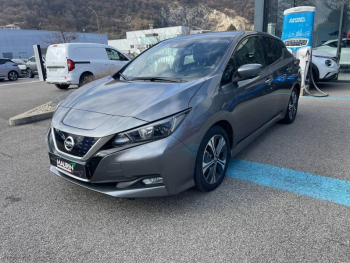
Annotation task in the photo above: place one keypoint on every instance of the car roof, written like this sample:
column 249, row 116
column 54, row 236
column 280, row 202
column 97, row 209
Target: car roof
column 80, row 44
column 223, row 34
column 208, row 35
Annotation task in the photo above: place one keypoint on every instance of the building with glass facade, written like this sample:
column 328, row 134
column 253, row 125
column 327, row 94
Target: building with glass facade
column 331, row 29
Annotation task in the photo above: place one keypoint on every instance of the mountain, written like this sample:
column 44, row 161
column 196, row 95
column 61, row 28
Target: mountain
column 117, row 17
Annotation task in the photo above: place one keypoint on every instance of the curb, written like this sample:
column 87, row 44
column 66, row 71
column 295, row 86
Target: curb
column 24, row 118
column 28, row 117
column 18, row 120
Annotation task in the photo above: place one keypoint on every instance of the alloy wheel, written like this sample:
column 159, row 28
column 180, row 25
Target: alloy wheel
column 13, row 75
column 214, row 159
column 293, row 103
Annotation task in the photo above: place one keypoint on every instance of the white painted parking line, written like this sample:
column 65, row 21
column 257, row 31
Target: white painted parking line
column 16, row 83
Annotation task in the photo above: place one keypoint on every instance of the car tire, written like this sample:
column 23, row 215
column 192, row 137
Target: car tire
column 212, row 159
column 85, row 78
column 13, row 75
column 62, row 86
column 292, row 107
column 30, row 73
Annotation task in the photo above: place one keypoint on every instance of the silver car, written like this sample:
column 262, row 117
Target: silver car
column 21, row 64
column 9, row 70
column 172, row 118
column 32, row 68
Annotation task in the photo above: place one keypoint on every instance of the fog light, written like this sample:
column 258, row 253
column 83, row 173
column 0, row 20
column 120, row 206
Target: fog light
column 328, row 63
column 154, row 180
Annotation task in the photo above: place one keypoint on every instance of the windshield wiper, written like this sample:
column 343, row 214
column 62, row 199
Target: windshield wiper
column 157, row 79
column 123, row 76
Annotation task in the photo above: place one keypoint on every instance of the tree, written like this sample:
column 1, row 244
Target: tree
column 62, row 32
column 231, row 27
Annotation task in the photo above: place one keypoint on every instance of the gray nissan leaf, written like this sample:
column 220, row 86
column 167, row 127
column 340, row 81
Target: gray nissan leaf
column 171, row 119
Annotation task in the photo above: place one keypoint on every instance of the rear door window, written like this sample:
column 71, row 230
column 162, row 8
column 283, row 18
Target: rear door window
column 272, row 50
column 55, row 53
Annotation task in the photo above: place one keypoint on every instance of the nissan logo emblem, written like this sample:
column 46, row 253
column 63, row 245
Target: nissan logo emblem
column 69, row 143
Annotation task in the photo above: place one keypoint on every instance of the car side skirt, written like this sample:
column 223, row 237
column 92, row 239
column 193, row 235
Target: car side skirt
column 243, row 144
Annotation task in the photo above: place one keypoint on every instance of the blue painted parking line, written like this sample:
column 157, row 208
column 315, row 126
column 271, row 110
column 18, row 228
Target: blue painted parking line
column 312, row 185
column 324, row 98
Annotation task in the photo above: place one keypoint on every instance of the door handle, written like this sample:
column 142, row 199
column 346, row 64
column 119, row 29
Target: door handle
column 268, row 81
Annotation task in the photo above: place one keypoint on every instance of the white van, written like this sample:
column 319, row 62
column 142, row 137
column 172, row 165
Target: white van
column 80, row 63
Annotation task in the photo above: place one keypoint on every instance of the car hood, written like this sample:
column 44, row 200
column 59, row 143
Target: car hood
column 125, row 104
column 320, row 53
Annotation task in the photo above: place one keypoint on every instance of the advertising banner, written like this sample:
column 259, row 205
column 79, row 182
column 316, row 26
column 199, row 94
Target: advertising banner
column 298, row 25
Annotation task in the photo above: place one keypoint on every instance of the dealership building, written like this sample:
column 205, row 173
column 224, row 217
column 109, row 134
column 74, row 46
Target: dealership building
column 18, row 43
column 331, row 27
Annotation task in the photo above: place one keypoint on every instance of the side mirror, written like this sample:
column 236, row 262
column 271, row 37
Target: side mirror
column 247, row 71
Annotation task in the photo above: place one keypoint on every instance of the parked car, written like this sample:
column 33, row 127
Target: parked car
column 160, row 126
column 32, row 68
column 9, row 70
column 330, row 46
column 78, row 64
column 325, row 66
column 21, row 64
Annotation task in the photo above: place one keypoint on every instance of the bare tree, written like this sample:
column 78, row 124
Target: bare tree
column 62, row 32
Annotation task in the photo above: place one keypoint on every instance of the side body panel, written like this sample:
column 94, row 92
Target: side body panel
column 285, row 74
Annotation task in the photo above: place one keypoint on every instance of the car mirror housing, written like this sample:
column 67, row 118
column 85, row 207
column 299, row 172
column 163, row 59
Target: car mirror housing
column 247, row 71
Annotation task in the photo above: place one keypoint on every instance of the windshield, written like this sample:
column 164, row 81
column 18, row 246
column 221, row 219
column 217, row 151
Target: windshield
column 178, row 59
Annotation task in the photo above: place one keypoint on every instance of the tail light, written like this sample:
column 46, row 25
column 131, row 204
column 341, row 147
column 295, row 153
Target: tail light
column 70, row 64
column 15, row 65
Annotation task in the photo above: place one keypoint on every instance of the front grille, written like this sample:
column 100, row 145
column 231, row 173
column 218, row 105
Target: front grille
column 82, row 144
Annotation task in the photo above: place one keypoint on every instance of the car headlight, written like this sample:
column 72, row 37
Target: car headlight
column 151, row 132
column 328, row 63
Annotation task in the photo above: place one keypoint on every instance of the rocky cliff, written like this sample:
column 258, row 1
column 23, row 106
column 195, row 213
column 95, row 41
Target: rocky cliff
column 117, row 17
column 201, row 17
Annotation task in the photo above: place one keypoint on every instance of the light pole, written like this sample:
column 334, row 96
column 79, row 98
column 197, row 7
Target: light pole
column 98, row 25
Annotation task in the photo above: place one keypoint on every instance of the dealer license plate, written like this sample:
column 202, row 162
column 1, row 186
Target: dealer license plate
column 68, row 167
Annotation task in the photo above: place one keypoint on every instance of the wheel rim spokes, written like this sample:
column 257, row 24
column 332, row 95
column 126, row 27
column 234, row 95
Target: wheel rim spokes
column 293, row 105
column 214, row 159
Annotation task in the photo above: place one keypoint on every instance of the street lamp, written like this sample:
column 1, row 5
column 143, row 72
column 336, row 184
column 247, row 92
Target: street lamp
column 98, row 25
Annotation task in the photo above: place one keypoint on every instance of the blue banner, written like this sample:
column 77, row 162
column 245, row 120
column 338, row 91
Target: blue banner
column 298, row 29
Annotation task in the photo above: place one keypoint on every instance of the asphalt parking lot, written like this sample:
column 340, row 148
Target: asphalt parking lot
column 286, row 197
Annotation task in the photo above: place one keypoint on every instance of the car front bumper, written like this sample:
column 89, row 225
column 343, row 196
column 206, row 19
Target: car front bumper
column 120, row 173
column 59, row 82
column 331, row 76
column 110, row 189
